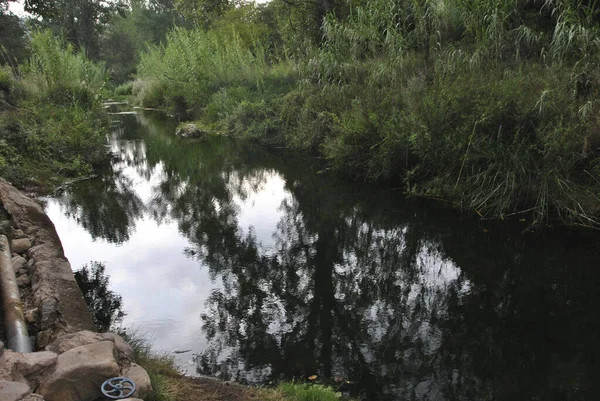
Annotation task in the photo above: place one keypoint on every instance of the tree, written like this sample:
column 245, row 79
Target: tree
column 13, row 43
column 81, row 22
column 130, row 32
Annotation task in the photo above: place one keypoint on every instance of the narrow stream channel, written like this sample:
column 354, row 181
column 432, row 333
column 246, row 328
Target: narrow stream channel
column 264, row 268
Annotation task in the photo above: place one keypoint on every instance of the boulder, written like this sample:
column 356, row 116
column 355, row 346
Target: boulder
column 25, row 368
column 140, row 377
column 124, row 350
column 8, row 366
column 20, row 245
column 36, row 362
column 19, row 262
column 74, row 340
column 13, row 391
column 79, row 373
column 189, row 131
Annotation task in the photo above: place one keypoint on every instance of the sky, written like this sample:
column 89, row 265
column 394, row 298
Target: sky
column 17, row 8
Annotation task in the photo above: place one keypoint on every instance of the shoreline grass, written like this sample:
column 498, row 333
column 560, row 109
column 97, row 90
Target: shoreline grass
column 490, row 106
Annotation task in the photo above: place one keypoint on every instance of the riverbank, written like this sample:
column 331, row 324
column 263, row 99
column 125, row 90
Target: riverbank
column 52, row 125
column 70, row 360
column 498, row 120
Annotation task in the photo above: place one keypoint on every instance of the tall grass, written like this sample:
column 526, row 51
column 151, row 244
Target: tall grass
column 195, row 64
column 55, row 127
column 491, row 105
column 56, row 70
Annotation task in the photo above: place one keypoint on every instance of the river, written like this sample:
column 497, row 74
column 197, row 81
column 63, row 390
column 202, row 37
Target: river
column 266, row 267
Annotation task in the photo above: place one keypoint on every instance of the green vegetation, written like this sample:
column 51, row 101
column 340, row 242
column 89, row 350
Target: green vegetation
column 489, row 105
column 51, row 122
column 160, row 367
column 169, row 385
column 308, row 392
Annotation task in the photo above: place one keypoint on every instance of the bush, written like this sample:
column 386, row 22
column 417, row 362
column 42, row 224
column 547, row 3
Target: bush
column 55, row 128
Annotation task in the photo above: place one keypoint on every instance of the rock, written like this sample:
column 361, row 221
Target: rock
column 43, row 338
column 30, row 264
column 1, row 349
column 22, row 271
column 36, row 362
column 24, row 280
column 48, row 312
column 43, row 252
column 5, row 227
column 18, row 262
column 141, row 379
column 25, row 368
column 124, row 350
column 74, row 340
column 8, row 366
column 31, row 315
column 18, row 234
column 20, row 245
column 33, row 397
column 79, row 373
column 31, row 230
column 13, row 391
column 189, row 131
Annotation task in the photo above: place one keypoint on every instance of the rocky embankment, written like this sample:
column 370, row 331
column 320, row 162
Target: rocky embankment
column 70, row 361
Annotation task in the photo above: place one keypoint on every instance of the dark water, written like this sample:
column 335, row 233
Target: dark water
column 265, row 268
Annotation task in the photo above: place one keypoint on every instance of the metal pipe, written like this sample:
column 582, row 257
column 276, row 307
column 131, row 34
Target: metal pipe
column 14, row 320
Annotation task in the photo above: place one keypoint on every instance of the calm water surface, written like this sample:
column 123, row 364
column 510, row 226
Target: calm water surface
column 265, row 268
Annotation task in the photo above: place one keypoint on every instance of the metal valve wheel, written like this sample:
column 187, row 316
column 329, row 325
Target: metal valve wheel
column 118, row 388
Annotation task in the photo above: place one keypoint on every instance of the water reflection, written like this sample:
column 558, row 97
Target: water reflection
column 104, row 304
column 408, row 301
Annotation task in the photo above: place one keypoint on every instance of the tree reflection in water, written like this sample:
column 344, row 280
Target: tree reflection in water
column 407, row 301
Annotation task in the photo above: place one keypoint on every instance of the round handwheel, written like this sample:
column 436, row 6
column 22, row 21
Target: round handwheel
column 118, row 388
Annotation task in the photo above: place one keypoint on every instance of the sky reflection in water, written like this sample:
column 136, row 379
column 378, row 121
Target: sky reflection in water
column 267, row 269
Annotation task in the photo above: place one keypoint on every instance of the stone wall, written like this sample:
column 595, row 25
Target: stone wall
column 54, row 304
column 72, row 361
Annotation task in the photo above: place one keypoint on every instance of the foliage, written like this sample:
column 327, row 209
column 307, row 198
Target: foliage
column 308, row 392
column 490, row 105
column 130, row 32
column 160, row 367
column 194, row 64
column 13, row 43
column 80, row 22
column 56, row 71
column 53, row 126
